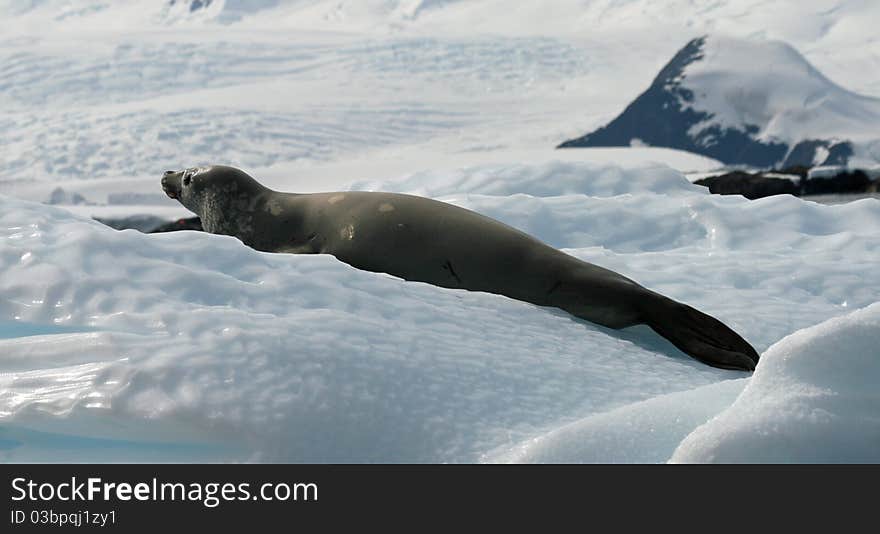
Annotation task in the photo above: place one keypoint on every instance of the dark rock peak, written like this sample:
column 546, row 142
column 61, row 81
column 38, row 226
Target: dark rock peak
column 672, row 73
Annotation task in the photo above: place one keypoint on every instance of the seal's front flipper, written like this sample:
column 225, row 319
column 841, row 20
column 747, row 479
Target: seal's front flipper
column 701, row 336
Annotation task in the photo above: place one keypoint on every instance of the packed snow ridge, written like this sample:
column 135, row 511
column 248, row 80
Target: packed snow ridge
column 749, row 102
column 188, row 346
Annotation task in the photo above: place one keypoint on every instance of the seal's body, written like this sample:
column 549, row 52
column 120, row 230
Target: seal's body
column 421, row 239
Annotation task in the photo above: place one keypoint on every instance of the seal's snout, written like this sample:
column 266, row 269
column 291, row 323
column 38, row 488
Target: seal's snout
column 171, row 184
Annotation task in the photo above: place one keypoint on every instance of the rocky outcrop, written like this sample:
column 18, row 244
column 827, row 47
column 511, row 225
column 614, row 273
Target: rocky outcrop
column 800, row 183
column 854, row 181
column 751, row 186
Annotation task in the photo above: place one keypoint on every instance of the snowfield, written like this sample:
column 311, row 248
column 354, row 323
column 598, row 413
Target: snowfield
column 121, row 346
column 190, row 344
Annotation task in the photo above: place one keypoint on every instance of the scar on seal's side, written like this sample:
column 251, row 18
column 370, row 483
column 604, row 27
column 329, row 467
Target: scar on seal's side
column 417, row 238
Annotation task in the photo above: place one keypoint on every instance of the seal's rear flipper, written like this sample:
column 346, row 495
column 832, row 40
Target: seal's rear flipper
column 701, row 336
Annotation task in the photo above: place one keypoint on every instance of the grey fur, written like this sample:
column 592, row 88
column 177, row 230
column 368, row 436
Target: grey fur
column 417, row 238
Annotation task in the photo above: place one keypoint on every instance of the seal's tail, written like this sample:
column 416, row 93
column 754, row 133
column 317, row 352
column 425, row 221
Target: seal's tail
column 701, row 336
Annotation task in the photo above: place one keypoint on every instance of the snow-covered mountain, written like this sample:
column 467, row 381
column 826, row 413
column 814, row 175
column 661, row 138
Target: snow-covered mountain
column 748, row 102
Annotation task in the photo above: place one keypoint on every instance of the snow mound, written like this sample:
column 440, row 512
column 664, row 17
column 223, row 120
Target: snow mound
column 643, row 432
column 813, row 398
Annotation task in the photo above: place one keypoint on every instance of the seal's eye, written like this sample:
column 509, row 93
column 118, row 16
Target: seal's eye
column 187, row 179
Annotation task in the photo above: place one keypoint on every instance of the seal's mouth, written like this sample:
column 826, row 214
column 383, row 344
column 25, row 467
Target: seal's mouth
column 171, row 184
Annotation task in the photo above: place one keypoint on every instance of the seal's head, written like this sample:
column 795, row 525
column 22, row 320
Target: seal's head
column 223, row 197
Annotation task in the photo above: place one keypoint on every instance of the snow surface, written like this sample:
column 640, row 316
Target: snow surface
column 814, row 398
column 119, row 346
column 193, row 342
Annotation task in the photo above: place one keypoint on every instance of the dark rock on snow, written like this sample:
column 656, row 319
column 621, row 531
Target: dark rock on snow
column 759, row 185
column 751, row 186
